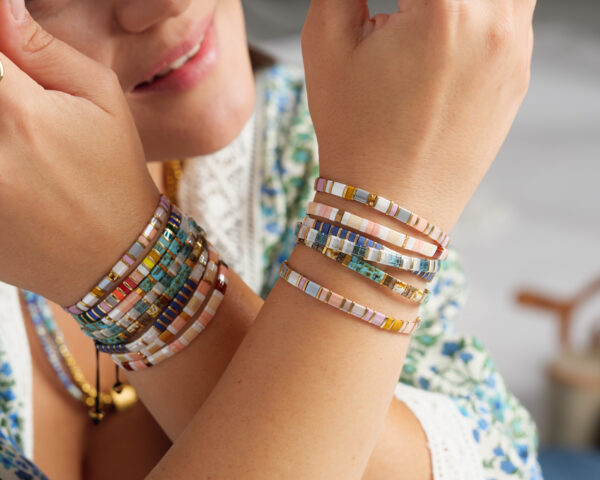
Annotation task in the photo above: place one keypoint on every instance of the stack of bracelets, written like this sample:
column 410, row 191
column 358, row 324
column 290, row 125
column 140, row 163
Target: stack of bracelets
column 359, row 252
column 168, row 286
column 159, row 296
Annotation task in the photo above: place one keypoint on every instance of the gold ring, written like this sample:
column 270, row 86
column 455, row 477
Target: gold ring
column 1, row 71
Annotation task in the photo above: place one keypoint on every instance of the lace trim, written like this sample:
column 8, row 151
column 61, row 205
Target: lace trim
column 454, row 453
column 218, row 191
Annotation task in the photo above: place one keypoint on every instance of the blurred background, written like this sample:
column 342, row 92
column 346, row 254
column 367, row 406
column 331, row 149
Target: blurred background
column 529, row 238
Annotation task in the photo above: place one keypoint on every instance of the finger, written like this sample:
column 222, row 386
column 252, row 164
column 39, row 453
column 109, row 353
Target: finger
column 341, row 19
column 50, row 62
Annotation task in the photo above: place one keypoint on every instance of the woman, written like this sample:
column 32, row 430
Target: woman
column 184, row 69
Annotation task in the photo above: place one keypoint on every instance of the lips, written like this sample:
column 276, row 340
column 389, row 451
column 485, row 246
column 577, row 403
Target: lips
column 185, row 65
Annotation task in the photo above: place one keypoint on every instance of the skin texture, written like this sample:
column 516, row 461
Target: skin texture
column 280, row 380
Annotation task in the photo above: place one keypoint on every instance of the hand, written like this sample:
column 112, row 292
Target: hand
column 420, row 100
column 74, row 188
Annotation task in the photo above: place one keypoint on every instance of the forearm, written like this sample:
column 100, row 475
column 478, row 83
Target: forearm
column 306, row 378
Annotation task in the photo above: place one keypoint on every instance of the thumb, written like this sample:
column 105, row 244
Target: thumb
column 340, row 19
column 51, row 63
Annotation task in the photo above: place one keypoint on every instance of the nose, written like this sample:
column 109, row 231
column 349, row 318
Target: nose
column 136, row 16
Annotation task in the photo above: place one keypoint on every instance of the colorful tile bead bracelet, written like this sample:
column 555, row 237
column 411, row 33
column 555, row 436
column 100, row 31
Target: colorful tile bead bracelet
column 384, row 206
column 177, row 272
column 153, row 285
column 165, row 303
column 151, row 304
column 191, row 333
column 167, row 235
column 194, row 292
column 127, row 260
column 376, row 275
column 376, row 230
column 326, row 235
column 339, row 302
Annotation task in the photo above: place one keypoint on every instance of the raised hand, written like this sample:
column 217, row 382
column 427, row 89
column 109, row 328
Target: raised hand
column 421, row 99
column 74, row 188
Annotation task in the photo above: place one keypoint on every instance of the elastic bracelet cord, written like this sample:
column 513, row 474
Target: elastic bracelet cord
column 130, row 257
column 383, row 205
column 328, row 236
column 376, row 230
column 376, row 275
column 344, row 304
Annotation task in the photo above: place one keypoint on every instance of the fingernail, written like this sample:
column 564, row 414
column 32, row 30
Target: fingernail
column 18, row 9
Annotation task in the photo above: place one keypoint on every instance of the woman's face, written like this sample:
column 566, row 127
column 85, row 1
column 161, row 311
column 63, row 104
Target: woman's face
column 183, row 65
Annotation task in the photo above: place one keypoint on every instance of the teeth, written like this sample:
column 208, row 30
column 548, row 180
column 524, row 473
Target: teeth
column 180, row 62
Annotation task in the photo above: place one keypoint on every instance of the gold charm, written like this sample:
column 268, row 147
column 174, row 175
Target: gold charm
column 123, row 397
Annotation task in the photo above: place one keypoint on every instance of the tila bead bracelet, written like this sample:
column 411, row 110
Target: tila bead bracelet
column 201, row 281
column 374, row 229
column 150, row 340
column 150, row 271
column 171, row 240
column 161, row 245
column 191, row 333
column 376, row 275
column 339, row 302
column 384, row 206
column 127, row 260
column 344, row 240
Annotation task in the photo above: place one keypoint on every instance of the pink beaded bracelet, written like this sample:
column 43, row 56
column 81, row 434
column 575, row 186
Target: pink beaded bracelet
column 111, row 279
column 376, row 230
column 384, row 206
column 328, row 297
column 201, row 278
column 195, row 329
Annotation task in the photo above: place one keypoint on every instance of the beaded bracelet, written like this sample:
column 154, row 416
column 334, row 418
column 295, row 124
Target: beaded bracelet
column 50, row 349
column 127, row 260
column 161, row 244
column 166, row 307
column 149, row 339
column 379, row 231
column 326, row 235
column 148, row 306
column 328, row 297
column 383, row 205
column 163, row 253
column 192, row 332
column 147, row 270
column 203, row 277
column 164, row 291
column 376, row 275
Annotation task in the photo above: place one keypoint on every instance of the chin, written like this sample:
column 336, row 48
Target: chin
column 189, row 126
column 212, row 114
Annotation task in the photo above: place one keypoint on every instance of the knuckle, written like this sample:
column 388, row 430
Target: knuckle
column 451, row 8
column 36, row 38
column 499, row 37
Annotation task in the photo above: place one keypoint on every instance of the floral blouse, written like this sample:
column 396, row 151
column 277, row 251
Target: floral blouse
column 475, row 426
